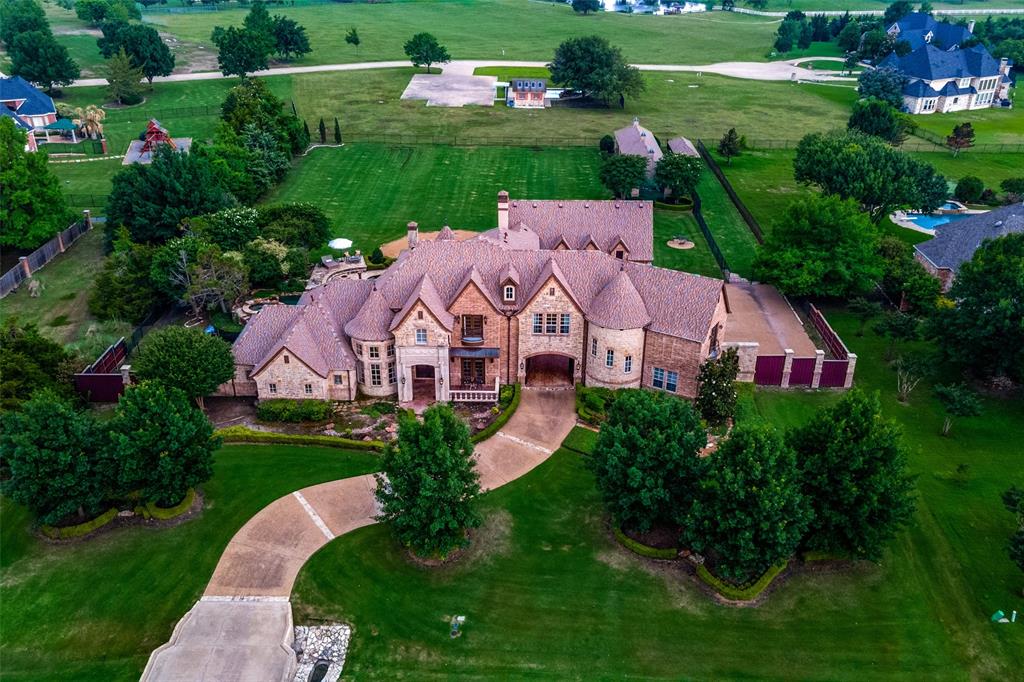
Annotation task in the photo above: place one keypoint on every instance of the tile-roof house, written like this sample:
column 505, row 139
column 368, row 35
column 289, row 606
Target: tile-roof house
column 639, row 141
column 955, row 242
column 526, row 93
column 942, row 76
column 451, row 320
column 30, row 108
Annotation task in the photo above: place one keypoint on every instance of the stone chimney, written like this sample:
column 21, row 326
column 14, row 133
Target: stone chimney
column 414, row 234
column 502, row 210
column 970, row 26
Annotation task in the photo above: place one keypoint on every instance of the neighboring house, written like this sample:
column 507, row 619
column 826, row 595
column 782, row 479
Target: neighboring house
column 639, row 141
column 680, row 145
column 943, row 76
column 451, row 320
column 526, row 93
column 955, row 242
column 31, row 109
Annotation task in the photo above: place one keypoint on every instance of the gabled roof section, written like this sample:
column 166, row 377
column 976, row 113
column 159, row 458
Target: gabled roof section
column 619, row 305
column 930, row 63
column 425, row 293
column 509, row 273
column 313, row 340
column 919, row 29
column 955, row 242
column 473, row 277
column 36, row 103
column 575, row 221
column 18, row 123
column 551, row 270
column 680, row 145
column 446, row 234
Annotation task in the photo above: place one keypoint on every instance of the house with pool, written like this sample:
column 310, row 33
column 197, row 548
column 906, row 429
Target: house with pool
column 956, row 241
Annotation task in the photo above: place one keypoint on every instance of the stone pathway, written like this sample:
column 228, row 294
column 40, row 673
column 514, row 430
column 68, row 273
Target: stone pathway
column 242, row 627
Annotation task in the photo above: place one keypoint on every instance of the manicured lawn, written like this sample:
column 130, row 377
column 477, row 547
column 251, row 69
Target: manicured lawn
column 87, row 184
column 493, row 29
column 733, row 236
column 992, row 126
column 372, row 191
column 61, row 310
column 698, row 260
column 94, row 610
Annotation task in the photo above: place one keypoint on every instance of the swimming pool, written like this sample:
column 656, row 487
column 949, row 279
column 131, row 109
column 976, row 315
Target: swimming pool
column 933, row 220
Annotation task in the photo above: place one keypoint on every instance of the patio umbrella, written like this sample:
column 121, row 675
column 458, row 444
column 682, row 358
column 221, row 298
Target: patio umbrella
column 340, row 243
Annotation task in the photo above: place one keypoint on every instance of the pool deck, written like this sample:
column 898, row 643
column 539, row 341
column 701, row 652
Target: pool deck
column 903, row 219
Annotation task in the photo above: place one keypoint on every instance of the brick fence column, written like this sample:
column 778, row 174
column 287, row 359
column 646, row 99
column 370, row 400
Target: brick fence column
column 819, row 363
column 60, row 242
column 849, row 370
column 87, row 217
column 787, row 367
column 23, row 262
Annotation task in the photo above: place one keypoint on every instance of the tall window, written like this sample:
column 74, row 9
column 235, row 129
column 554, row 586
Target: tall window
column 658, row 378
column 671, row 381
column 391, row 373
column 360, row 379
column 609, row 358
column 308, row 389
column 375, row 374
column 421, row 337
column 627, row 364
column 713, row 345
column 359, row 349
column 510, row 292
column 391, row 350
column 287, row 359
column 538, row 325
column 665, row 379
column 551, row 323
column 374, row 352
column 563, row 327
column 473, row 327
column 272, row 388
column 593, row 346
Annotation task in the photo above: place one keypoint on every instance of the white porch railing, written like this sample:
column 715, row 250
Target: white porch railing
column 475, row 395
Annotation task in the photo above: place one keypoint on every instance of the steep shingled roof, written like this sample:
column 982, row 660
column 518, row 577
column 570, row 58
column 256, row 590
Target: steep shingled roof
column 619, row 305
column 36, row 103
column 425, row 293
column 371, row 322
column 955, row 242
column 930, row 63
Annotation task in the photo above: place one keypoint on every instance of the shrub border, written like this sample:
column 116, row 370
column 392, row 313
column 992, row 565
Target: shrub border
column 740, row 594
column 241, row 434
column 168, row 513
column 81, row 529
column 642, row 549
column 501, row 419
column 682, row 208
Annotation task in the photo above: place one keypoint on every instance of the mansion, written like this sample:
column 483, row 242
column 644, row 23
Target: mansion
column 559, row 293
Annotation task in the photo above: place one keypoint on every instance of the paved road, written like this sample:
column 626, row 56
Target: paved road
column 768, row 71
column 242, row 627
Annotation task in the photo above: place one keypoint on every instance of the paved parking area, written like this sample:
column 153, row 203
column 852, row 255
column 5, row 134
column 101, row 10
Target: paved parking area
column 451, row 89
column 758, row 312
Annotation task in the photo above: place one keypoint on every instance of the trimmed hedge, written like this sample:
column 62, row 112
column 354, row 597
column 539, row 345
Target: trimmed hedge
column 684, row 204
column 290, row 410
column 82, row 528
column 642, row 549
column 593, row 403
column 240, row 434
column 502, row 418
column 166, row 513
column 740, row 593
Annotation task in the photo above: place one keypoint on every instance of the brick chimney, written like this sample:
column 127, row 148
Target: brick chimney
column 414, row 234
column 502, row 210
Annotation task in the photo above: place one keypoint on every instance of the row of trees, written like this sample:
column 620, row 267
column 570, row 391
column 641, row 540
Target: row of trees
column 242, row 50
column 677, row 173
column 838, row 484
column 34, row 52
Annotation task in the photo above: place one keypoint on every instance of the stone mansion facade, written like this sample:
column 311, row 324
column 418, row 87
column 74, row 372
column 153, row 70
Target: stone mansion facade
column 561, row 292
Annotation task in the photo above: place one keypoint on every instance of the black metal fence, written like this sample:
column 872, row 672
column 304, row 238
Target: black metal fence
column 709, row 238
column 745, row 213
column 469, row 140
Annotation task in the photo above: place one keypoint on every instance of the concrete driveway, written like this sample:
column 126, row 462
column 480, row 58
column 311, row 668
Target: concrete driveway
column 451, row 90
column 242, row 627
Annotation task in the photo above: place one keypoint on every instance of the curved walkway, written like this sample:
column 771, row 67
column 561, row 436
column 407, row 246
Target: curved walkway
column 768, row 71
column 242, row 627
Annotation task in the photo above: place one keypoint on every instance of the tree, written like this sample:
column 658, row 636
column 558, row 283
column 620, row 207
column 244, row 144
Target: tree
column 716, row 397
column 822, row 246
column 853, row 165
column 1013, row 500
column 957, row 400
column 32, row 205
column 151, row 200
column 185, row 359
column 337, row 131
column 30, row 362
column 729, row 146
column 123, row 79
column 258, row 20
column 592, row 66
column 865, row 311
column 38, row 57
column 424, row 50
column 123, row 289
column 896, row 11
column 873, row 116
column 904, row 279
column 352, row 38
column 961, row 138
column 92, row 11
column 787, row 35
column 969, row 189
column 926, row 8
column 230, row 228
column 876, row 44
column 290, row 39
column 428, row 488
column 251, row 103
column 646, row 462
column 585, row 7
column 750, row 513
column 678, row 173
column 143, row 45
column 621, row 173
column 215, row 280
column 300, row 224
column 170, row 265
column 54, row 459
column 240, row 51
column 884, row 84
column 1014, row 188
column 161, row 443
column 909, row 373
column 897, row 326
column 21, row 16
column 854, row 471
column 849, row 37
column 323, row 131
column 984, row 331
column 607, row 144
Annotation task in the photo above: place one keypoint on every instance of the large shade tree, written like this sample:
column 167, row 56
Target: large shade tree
column 646, row 462
column 428, row 487
column 36, row 56
column 854, row 470
column 185, row 359
column 622, row 173
column 424, row 50
column 143, row 45
column 21, row 16
column 30, row 362
column 678, row 173
column 593, row 66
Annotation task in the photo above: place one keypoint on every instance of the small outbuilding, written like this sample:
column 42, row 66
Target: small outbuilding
column 527, row 93
column 636, row 140
column 680, row 145
column 155, row 136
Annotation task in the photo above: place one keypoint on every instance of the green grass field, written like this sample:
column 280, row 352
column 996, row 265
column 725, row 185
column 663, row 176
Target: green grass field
column 991, row 126
column 732, row 235
column 547, row 593
column 93, row 610
column 699, row 260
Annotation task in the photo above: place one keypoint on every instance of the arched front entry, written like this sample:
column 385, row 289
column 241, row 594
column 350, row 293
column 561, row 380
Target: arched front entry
column 549, row 369
column 423, row 382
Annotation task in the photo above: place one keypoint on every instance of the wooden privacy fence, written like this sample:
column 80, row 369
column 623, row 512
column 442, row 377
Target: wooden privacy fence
column 102, row 381
column 27, row 265
column 837, row 371
column 818, row 371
